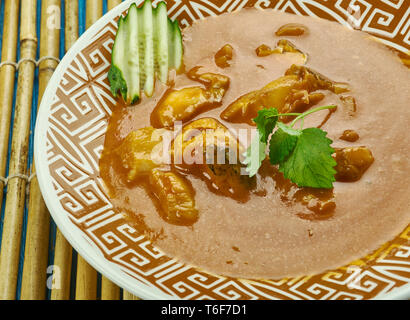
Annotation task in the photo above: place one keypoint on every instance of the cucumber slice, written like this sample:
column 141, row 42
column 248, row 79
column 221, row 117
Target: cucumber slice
column 170, row 36
column 115, row 75
column 175, row 47
column 131, row 72
column 155, row 41
column 148, row 45
column 124, row 71
column 178, row 47
column 161, row 34
column 141, row 46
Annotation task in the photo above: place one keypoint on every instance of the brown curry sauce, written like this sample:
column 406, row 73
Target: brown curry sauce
column 296, row 91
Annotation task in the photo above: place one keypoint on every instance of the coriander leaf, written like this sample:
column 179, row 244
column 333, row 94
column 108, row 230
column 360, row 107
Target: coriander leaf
column 254, row 155
column 266, row 122
column 282, row 143
column 117, row 82
column 311, row 163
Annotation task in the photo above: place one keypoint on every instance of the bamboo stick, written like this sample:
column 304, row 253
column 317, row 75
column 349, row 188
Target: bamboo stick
column 113, row 3
column 71, row 23
column 94, row 10
column 86, row 282
column 109, row 290
column 62, row 260
column 63, row 250
column 129, row 296
column 38, row 223
column 13, row 215
column 86, row 285
column 7, row 78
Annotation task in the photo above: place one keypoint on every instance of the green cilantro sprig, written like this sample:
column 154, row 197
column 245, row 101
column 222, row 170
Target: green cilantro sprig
column 304, row 156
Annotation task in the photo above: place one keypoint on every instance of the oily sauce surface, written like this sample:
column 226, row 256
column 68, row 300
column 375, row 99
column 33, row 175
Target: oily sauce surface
column 275, row 233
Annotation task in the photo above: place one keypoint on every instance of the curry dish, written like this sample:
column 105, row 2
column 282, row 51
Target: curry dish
column 214, row 216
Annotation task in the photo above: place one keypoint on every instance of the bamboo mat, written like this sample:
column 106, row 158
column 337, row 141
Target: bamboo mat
column 36, row 262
